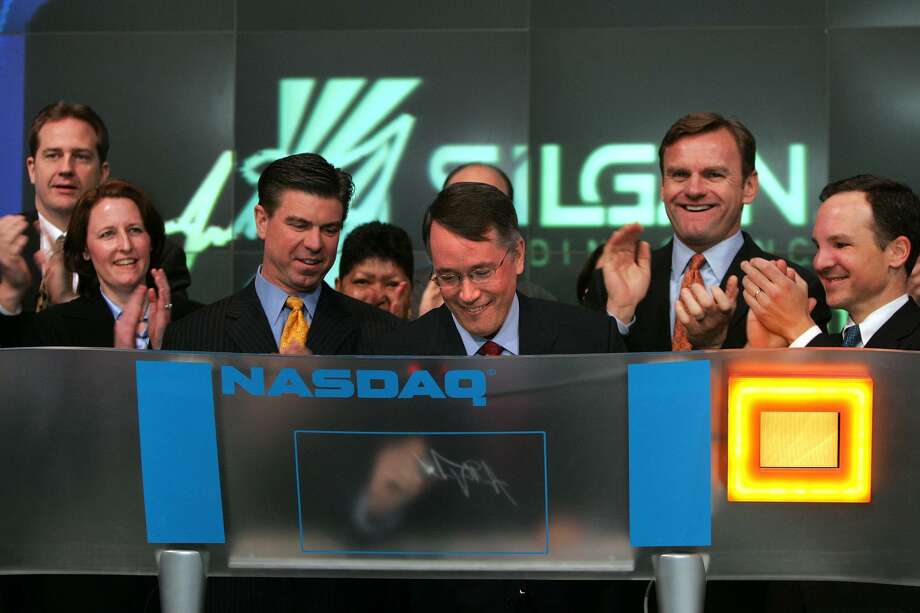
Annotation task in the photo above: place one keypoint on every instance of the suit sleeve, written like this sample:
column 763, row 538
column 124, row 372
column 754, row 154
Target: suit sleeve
column 615, row 342
column 174, row 265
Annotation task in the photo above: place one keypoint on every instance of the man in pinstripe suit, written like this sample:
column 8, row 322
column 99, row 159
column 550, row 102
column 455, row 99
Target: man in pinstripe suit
column 303, row 201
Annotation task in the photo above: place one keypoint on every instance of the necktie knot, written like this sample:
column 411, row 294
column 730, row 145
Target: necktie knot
column 696, row 262
column 295, row 303
column 490, row 349
column 851, row 337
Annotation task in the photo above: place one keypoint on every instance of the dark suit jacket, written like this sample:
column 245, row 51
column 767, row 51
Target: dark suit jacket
column 84, row 322
column 173, row 264
column 237, row 324
column 545, row 328
column 901, row 331
column 652, row 330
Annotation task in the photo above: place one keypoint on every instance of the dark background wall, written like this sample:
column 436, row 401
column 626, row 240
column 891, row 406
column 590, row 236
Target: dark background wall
column 570, row 98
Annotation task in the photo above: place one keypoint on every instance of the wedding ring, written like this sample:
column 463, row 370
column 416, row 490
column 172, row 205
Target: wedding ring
column 167, row 306
column 757, row 293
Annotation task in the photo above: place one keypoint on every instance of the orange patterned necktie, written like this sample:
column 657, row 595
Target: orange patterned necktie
column 680, row 342
column 296, row 326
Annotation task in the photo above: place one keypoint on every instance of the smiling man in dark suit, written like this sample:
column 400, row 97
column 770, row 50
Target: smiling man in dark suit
column 472, row 236
column 303, row 201
column 685, row 295
column 867, row 233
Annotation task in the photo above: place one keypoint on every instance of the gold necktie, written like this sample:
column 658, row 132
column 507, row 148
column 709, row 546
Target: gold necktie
column 680, row 342
column 296, row 326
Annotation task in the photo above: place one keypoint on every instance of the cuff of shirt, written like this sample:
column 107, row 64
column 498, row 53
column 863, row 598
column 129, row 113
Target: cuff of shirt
column 623, row 328
column 805, row 337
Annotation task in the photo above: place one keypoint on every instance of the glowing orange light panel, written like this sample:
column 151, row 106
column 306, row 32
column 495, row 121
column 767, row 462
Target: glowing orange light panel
column 753, row 404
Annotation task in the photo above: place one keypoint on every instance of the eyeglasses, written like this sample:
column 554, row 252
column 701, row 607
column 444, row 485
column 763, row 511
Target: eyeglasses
column 480, row 275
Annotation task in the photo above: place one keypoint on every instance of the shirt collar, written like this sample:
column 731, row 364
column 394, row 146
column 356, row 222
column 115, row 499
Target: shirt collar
column 273, row 298
column 49, row 233
column 507, row 335
column 877, row 318
column 718, row 257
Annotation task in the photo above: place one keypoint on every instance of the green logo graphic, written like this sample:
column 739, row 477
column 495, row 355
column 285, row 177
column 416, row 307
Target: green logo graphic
column 343, row 122
column 639, row 187
column 353, row 123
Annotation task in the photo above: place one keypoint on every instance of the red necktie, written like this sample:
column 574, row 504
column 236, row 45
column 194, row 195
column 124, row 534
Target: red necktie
column 490, row 349
column 680, row 342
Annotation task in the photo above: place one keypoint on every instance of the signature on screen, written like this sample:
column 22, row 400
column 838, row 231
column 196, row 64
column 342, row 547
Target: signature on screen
column 436, row 466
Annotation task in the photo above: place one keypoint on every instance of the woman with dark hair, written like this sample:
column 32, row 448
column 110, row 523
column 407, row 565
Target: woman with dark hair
column 114, row 244
column 376, row 267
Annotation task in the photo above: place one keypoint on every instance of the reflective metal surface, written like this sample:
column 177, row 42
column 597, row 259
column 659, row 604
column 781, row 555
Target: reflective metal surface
column 70, row 465
column 182, row 580
column 680, row 582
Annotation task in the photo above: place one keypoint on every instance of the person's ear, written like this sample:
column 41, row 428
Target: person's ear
column 897, row 252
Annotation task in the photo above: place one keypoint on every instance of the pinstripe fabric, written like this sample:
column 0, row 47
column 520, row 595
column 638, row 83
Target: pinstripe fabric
column 237, row 324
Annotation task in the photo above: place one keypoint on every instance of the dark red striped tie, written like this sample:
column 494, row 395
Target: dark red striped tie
column 490, row 349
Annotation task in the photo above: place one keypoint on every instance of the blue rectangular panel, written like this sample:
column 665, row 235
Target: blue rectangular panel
column 669, row 455
column 12, row 68
column 175, row 409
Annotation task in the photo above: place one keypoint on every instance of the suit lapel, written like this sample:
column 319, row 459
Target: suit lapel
column 247, row 325
column 92, row 308
column 33, row 244
column 91, row 320
column 446, row 340
column 535, row 336
column 900, row 325
column 333, row 330
column 656, row 308
column 749, row 249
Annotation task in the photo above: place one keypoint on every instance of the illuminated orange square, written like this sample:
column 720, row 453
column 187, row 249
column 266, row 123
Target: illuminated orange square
column 799, row 439
column 749, row 398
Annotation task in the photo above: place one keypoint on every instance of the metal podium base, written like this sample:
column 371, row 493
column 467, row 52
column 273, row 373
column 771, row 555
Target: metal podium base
column 183, row 575
column 680, row 582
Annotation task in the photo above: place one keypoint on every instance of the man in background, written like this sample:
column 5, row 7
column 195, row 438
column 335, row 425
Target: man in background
column 68, row 151
column 685, row 295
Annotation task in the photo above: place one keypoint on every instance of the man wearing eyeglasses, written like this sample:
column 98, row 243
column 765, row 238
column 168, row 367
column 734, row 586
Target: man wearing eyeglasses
column 472, row 237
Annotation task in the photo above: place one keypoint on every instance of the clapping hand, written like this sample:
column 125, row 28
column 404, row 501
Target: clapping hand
column 627, row 266
column 707, row 313
column 159, row 307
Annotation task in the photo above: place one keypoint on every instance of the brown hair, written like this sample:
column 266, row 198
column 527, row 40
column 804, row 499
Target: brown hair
column 702, row 123
column 75, row 241
column 470, row 210
column 305, row 172
column 895, row 209
column 62, row 110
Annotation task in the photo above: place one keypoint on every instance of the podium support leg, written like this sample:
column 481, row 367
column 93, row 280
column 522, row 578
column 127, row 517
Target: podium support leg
column 680, row 582
column 182, row 578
